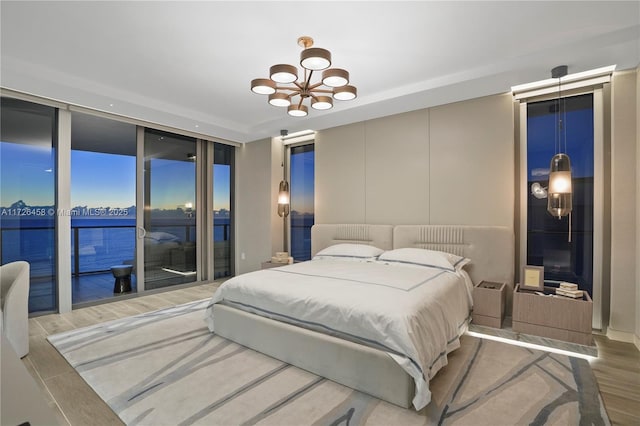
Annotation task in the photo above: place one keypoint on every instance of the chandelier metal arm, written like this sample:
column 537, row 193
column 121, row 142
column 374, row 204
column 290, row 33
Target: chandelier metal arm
column 293, row 89
column 322, row 90
column 307, row 81
column 313, row 86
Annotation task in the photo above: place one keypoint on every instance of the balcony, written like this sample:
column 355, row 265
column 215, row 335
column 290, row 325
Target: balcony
column 95, row 248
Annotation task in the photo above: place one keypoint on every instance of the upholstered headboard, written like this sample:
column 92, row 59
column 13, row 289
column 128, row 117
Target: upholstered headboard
column 490, row 248
column 325, row 235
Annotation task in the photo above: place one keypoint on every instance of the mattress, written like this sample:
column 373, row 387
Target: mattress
column 415, row 314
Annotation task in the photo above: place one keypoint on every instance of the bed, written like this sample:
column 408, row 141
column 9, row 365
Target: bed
column 366, row 343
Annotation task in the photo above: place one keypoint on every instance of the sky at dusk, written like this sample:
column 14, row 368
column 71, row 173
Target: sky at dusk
column 26, row 174
column 102, row 180
column 302, row 181
column 99, row 179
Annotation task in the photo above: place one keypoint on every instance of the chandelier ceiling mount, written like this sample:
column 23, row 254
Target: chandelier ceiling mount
column 283, row 85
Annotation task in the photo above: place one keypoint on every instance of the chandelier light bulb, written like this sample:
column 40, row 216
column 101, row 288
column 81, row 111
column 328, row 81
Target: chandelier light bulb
column 322, row 102
column 263, row 86
column 279, row 99
column 283, row 73
column 345, row 93
column 297, row 110
column 315, row 59
column 335, row 77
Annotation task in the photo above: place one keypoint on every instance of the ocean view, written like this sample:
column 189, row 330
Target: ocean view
column 99, row 242
column 103, row 242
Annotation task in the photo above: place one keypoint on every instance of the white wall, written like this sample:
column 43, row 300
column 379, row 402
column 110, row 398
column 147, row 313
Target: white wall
column 622, row 321
column 253, row 195
column 277, row 173
column 637, row 334
column 452, row 164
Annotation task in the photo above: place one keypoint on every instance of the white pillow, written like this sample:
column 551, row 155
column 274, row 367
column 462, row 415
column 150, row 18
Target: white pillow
column 423, row 257
column 349, row 251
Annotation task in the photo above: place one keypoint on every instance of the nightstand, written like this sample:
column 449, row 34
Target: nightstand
column 488, row 303
column 556, row 317
column 269, row 264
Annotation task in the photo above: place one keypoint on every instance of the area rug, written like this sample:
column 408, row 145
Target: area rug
column 166, row 368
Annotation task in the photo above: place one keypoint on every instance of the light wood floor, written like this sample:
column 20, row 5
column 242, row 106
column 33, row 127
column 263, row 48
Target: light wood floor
column 617, row 369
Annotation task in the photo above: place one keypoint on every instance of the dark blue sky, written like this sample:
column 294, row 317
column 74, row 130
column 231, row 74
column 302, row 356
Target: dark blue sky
column 541, row 141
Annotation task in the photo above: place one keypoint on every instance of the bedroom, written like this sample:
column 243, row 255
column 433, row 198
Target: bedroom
column 429, row 124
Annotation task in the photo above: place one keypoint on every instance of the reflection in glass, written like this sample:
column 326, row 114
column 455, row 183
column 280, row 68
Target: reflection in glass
column 27, row 195
column 302, row 191
column 547, row 239
column 170, row 206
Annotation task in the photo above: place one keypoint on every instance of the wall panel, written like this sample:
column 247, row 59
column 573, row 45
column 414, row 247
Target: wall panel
column 340, row 175
column 253, row 205
column 623, row 203
column 397, row 169
column 472, row 162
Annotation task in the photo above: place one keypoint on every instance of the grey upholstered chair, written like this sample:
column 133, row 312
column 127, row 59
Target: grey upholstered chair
column 14, row 299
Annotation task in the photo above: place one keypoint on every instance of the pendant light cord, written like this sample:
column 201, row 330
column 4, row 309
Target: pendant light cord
column 558, row 139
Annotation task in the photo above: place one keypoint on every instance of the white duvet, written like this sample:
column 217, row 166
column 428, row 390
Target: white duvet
column 414, row 313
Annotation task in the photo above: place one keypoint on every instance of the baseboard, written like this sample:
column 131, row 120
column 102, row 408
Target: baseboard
column 623, row 336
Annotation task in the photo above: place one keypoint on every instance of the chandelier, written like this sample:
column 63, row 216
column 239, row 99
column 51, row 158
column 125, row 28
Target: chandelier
column 283, row 86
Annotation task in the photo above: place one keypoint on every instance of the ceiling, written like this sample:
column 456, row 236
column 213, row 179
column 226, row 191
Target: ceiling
column 188, row 65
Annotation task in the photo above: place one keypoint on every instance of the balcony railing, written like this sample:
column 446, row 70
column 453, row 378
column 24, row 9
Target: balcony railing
column 95, row 248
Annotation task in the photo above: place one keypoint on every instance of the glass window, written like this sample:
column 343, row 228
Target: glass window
column 27, row 195
column 302, row 191
column 548, row 242
column 103, row 200
column 222, row 210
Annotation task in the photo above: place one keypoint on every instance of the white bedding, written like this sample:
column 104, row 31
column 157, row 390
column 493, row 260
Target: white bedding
column 416, row 314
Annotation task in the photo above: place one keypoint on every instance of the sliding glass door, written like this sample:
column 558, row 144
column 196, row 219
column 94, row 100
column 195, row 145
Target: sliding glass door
column 222, row 210
column 103, row 200
column 102, row 207
column 27, row 196
column 169, row 209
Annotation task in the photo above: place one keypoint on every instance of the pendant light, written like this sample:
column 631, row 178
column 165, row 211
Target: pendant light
column 283, row 199
column 560, row 191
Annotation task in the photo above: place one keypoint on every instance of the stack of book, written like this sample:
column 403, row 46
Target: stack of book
column 282, row 257
column 569, row 290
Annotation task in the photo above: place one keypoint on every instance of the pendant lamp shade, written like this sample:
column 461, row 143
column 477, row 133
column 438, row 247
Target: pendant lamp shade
column 315, row 58
column 335, row 77
column 283, row 199
column 297, row 110
column 283, row 73
column 560, row 194
column 345, row 93
column 279, row 100
column 263, row 86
